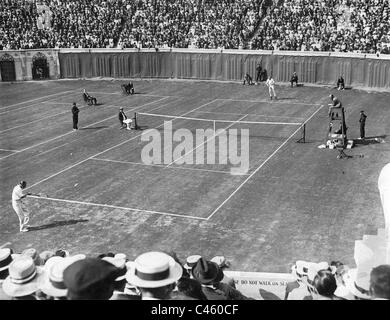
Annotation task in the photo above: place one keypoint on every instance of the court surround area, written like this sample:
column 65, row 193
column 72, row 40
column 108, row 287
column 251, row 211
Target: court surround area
column 295, row 202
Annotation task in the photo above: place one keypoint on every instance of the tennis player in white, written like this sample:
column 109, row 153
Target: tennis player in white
column 270, row 83
column 17, row 196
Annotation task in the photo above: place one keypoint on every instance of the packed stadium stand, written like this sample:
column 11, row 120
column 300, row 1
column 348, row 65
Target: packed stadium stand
column 301, row 25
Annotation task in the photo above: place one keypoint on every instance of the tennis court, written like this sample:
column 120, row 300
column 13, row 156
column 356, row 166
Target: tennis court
column 101, row 194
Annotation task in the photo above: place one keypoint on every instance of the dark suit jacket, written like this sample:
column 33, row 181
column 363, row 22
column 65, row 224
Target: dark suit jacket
column 122, row 116
column 75, row 111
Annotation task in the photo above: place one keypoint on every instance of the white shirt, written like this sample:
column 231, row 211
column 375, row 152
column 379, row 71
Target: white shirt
column 17, row 193
column 270, row 83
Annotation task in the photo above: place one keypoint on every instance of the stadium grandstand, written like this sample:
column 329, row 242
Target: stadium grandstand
column 85, row 217
column 299, row 25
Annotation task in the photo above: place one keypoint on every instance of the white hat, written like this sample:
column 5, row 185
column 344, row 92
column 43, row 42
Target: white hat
column 118, row 262
column 191, row 261
column 314, row 268
column 23, row 277
column 52, row 283
column 358, row 283
column 5, row 258
column 154, row 270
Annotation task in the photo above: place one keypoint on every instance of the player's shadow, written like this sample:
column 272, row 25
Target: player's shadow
column 57, row 224
column 369, row 140
column 94, row 128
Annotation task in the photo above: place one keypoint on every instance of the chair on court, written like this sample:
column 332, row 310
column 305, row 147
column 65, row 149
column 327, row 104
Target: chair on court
column 89, row 99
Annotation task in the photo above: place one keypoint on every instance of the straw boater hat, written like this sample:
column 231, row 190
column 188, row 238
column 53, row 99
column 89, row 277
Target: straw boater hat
column 191, row 261
column 23, row 277
column 5, row 258
column 358, row 283
column 154, row 270
column 33, row 253
column 52, row 283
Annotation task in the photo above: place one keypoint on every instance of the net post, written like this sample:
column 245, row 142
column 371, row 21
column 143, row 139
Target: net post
column 214, row 127
column 302, row 139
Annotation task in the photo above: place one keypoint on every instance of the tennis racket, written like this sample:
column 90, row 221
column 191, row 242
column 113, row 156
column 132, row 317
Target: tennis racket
column 40, row 195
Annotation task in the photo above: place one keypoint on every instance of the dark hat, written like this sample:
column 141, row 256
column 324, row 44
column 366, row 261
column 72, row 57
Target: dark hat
column 83, row 275
column 74, row 103
column 207, row 272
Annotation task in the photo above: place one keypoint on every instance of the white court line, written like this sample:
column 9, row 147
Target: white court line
column 28, row 101
column 261, row 165
column 40, row 119
column 9, row 150
column 70, row 132
column 47, row 151
column 137, row 94
column 31, row 105
column 162, row 166
column 113, row 147
column 118, row 207
column 204, row 142
column 273, row 102
column 250, row 114
column 53, row 102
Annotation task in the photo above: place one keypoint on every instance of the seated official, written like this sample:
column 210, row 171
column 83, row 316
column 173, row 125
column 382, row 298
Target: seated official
column 124, row 121
column 248, row 79
column 340, row 83
column 88, row 98
column 294, row 78
column 128, row 88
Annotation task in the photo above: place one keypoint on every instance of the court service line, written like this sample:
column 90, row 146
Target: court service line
column 137, row 94
column 53, row 102
column 113, row 147
column 70, row 132
column 118, row 207
column 32, row 105
column 265, row 101
column 261, row 165
column 251, row 114
column 40, row 119
column 50, row 95
column 162, row 166
column 204, row 142
column 84, row 137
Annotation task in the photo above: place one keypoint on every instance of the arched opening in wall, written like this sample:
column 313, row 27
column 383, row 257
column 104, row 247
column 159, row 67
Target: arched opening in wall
column 7, row 68
column 40, row 67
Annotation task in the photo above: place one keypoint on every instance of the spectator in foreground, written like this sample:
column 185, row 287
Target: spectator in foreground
column 325, row 285
column 23, row 279
column 5, row 260
column 298, row 290
column 90, row 279
column 210, row 275
column 155, row 275
column 380, row 282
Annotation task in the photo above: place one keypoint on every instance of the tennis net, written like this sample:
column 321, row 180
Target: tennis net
column 260, row 129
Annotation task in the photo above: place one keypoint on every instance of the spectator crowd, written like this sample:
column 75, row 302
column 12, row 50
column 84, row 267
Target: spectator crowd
column 303, row 25
column 58, row 275
column 326, row 25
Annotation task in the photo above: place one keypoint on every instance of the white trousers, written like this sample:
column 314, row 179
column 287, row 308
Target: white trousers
column 271, row 91
column 127, row 122
column 22, row 215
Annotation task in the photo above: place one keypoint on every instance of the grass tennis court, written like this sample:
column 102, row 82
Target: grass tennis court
column 295, row 202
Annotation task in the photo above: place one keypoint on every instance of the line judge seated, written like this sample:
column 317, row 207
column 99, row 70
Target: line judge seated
column 124, row 121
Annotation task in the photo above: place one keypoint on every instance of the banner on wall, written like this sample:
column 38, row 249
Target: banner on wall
column 260, row 285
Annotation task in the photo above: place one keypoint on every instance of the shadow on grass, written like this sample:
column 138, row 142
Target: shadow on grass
column 369, row 140
column 57, row 224
column 94, row 128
